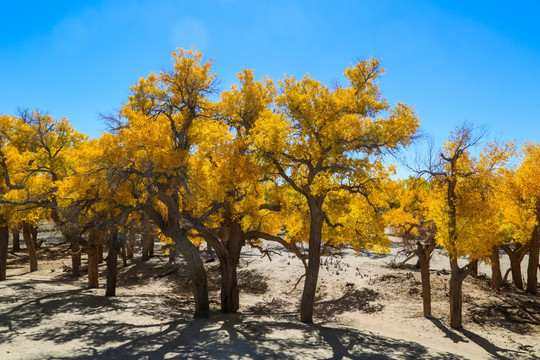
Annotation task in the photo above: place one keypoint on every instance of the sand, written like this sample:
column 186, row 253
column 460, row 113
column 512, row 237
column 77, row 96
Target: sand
column 364, row 309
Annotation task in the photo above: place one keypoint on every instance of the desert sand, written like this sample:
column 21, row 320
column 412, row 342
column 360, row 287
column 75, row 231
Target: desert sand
column 365, row 309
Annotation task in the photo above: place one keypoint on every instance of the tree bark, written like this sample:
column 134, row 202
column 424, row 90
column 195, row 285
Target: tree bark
column 100, row 254
column 123, row 248
column 4, row 241
column 197, row 271
column 112, row 263
column 423, row 259
column 457, row 275
column 314, row 260
column 15, row 232
column 92, row 250
column 496, row 276
column 130, row 244
column 532, row 269
column 516, row 256
column 27, row 236
column 146, row 242
column 473, row 269
column 75, row 255
column 34, row 232
column 229, row 256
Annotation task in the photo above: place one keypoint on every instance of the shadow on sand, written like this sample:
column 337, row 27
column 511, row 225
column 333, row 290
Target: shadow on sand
column 157, row 328
column 495, row 351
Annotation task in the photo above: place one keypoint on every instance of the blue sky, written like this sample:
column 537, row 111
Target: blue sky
column 454, row 61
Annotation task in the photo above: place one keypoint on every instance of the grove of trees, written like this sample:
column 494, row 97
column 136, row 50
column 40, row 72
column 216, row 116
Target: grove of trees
column 294, row 162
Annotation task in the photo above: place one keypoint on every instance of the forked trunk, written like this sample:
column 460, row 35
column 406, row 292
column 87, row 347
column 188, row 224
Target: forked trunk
column 496, row 276
column 112, row 263
column 16, row 234
column 515, row 256
column 457, row 275
column 314, row 260
column 423, row 259
column 27, row 236
column 4, row 240
column 532, row 269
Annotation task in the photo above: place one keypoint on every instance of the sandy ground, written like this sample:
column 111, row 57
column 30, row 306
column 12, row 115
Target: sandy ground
column 365, row 309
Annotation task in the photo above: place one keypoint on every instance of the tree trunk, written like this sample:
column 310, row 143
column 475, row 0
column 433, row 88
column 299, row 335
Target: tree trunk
column 15, row 232
column 131, row 244
column 75, row 255
column 34, row 232
column 146, row 242
column 515, row 263
column 423, row 260
column 112, row 263
column 314, row 260
column 230, row 294
column 532, row 270
column 456, row 301
column 100, row 254
column 4, row 241
column 93, row 269
column 92, row 250
column 457, row 275
column 197, row 271
column 27, row 236
column 123, row 246
column 473, row 269
column 496, row 277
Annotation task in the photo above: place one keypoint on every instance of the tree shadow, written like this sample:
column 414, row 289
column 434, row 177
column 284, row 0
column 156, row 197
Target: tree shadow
column 495, row 351
column 352, row 300
column 240, row 336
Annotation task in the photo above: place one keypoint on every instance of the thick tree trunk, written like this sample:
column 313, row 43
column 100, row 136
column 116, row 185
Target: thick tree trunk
column 516, row 256
column 314, row 260
column 15, row 232
column 146, row 242
column 4, row 241
column 496, row 277
column 27, row 236
column 457, row 275
column 228, row 263
column 456, row 301
column 112, row 263
column 532, row 270
column 197, row 271
column 423, row 260
column 75, row 255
